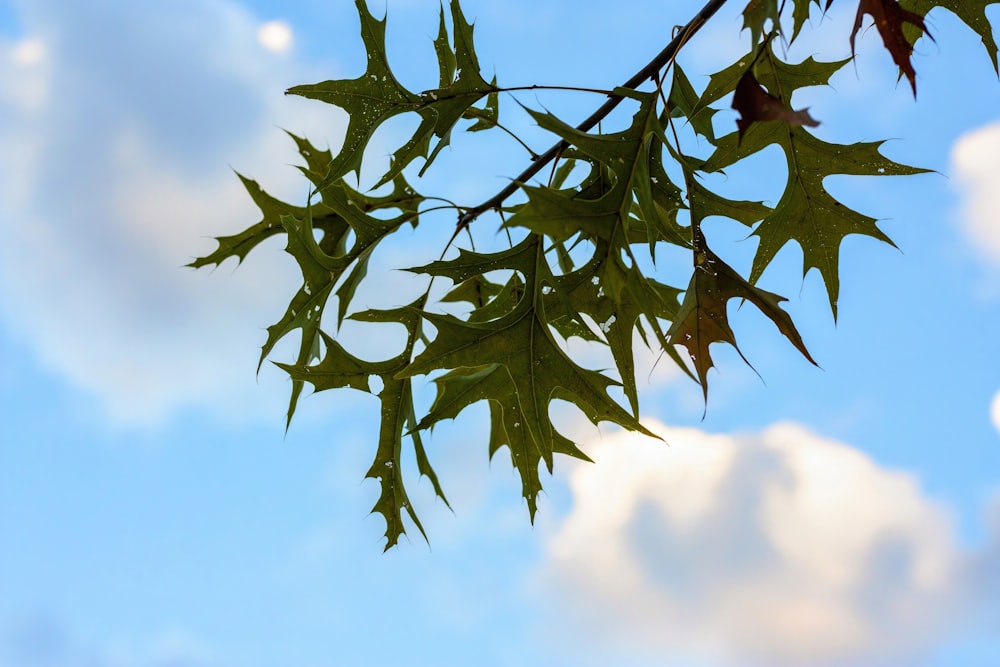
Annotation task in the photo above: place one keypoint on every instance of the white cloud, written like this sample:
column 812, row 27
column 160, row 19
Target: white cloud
column 275, row 36
column 995, row 411
column 115, row 169
column 23, row 64
column 28, row 52
column 976, row 164
column 782, row 548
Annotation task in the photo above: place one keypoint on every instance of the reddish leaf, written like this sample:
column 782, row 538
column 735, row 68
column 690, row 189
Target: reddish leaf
column 889, row 18
column 703, row 318
column 756, row 104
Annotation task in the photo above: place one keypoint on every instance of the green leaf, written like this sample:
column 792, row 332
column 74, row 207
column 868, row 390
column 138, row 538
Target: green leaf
column 470, row 264
column 376, row 96
column 458, row 389
column 369, row 100
column 971, row 12
column 637, row 183
column 489, row 116
column 507, row 431
column 461, row 388
column 522, row 343
column 684, row 103
column 447, row 62
column 442, row 108
column 397, row 406
column 305, row 310
column 340, row 369
column 757, row 13
column 337, row 369
column 477, row 290
column 317, row 161
column 616, row 308
column 503, row 303
column 800, row 14
column 399, row 418
column 743, row 211
column 577, row 266
column 806, row 213
column 606, row 214
column 239, row 245
column 780, row 78
column 665, row 198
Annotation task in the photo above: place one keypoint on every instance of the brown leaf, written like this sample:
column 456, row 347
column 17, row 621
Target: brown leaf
column 889, row 18
column 756, row 104
column 703, row 318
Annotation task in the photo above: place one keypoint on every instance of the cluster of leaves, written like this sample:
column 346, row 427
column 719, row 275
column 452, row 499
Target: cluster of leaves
column 577, row 262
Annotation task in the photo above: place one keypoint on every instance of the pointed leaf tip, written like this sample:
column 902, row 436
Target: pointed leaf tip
column 889, row 18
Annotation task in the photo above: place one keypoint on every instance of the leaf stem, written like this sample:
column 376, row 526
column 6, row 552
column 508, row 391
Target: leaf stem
column 649, row 71
column 501, row 126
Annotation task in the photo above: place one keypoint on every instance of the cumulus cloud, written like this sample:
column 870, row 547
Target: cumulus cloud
column 115, row 169
column 778, row 548
column 976, row 164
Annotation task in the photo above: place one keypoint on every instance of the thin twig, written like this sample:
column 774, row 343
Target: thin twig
column 648, row 72
column 538, row 86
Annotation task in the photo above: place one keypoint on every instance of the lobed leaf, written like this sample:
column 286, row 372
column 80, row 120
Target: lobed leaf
column 576, row 272
column 522, row 344
column 703, row 317
column 806, row 213
column 376, row 96
column 800, row 14
column 757, row 13
column 239, row 245
column 971, row 12
column 685, row 103
column 340, row 369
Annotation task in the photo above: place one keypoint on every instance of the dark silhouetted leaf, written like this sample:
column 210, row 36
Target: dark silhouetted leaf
column 890, row 18
column 585, row 246
column 757, row 105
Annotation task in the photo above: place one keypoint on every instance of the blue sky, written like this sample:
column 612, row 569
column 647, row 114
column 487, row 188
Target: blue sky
column 153, row 513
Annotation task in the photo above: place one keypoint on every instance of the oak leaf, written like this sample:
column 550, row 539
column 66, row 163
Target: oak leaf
column 806, row 212
column 971, row 12
column 889, row 18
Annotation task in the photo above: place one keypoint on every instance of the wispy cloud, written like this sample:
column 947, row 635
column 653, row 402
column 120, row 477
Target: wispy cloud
column 777, row 548
column 119, row 126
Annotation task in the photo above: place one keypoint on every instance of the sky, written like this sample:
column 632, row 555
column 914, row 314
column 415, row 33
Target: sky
column 155, row 513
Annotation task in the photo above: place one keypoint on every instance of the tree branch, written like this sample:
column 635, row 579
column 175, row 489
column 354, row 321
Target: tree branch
column 650, row 71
